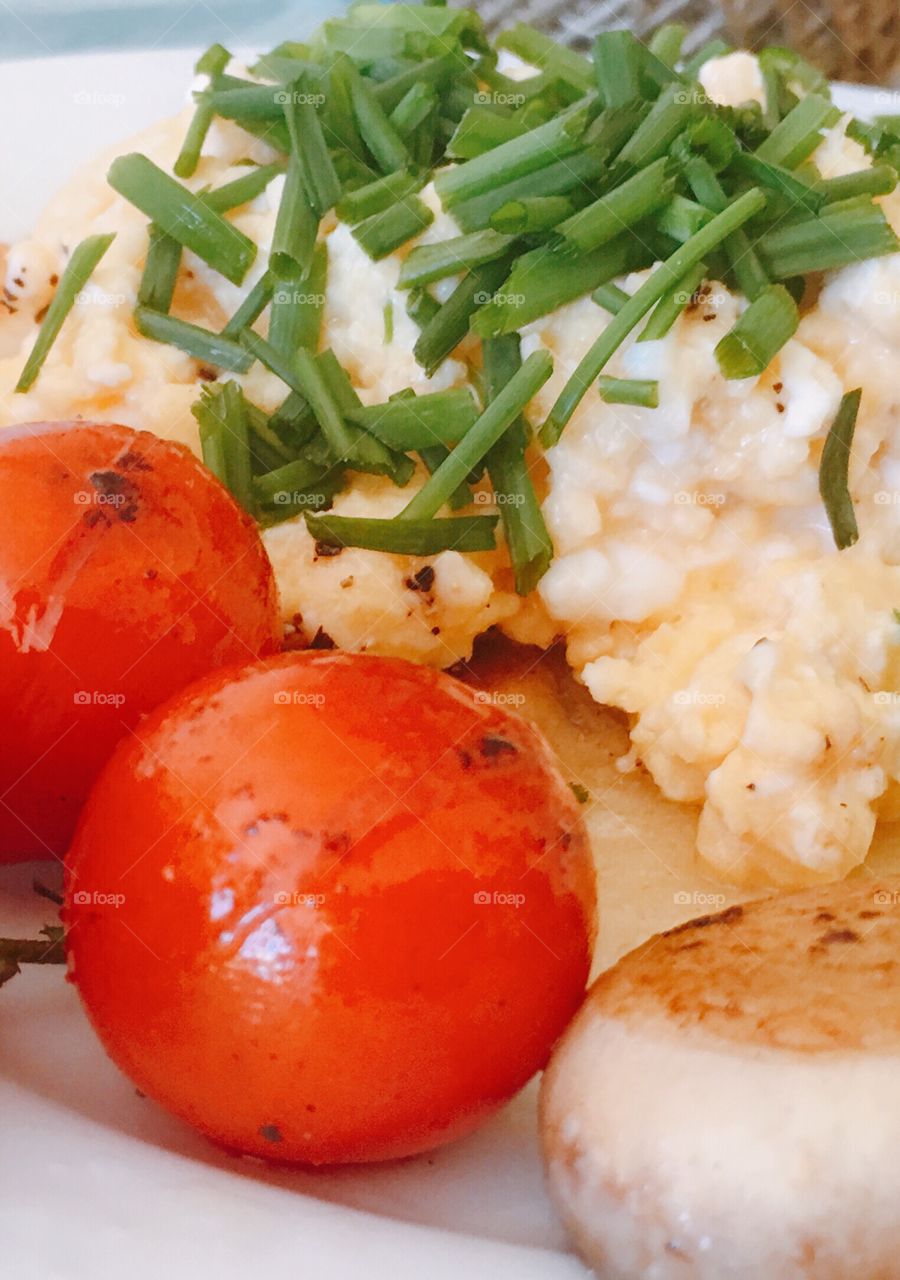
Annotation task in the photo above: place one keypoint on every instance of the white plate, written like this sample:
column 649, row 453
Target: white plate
column 95, row 1181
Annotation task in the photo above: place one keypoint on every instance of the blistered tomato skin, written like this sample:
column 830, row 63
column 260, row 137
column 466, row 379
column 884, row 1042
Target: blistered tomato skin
column 126, row 571
column 331, row 908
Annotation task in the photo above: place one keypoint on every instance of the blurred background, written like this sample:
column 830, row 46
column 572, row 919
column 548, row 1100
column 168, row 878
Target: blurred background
column 850, row 39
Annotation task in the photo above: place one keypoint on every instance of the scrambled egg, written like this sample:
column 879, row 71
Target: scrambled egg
column 695, row 578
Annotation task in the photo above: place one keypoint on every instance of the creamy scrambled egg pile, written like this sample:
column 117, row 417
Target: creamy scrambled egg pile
column 695, row 578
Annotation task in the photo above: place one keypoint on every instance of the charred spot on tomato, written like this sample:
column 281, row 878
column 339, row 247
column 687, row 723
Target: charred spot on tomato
column 464, row 757
column 493, row 747
column 270, row 1132
column 118, row 495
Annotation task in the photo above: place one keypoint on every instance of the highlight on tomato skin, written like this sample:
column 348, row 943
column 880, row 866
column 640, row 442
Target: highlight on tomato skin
column 126, row 571
column 330, row 908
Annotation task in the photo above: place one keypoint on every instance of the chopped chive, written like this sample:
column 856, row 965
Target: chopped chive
column 617, row 66
column 672, row 304
column 666, row 275
column 212, row 63
column 842, row 234
column 221, row 414
column 367, row 452
column 520, row 157
column 673, row 110
column 377, row 196
column 79, row 270
column 231, row 195
column 183, row 216
column 310, row 300
column 405, row 537
column 377, row 132
column 620, row 209
column 384, row 232
column 758, row 334
column 157, row 286
column 537, row 213
column 834, row 471
column 481, row 129
column 298, row 474
column 546, row 278
column 252, row 307
column 499, row 415
column 303, row 375
column 417, row 422
column 293, row 420
column 749, row 273
column 429, row 262
column 639, row 391
column 414, row 107
column 799, row 133
column 204, row 345
column 296, row 226
column 433, row 456
column 450, row 323
column 530, row 548
column 880, row 180
column 541, row 51
column 320, row 182
column 421, row 307
column 610, row 297
column 682, row 218
column 776, row 178
column 666, row 42
column 574, row 172
column 299, row 486
column 388, row 322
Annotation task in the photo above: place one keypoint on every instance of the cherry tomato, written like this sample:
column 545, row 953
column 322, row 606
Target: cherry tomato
column 126, row 571
column 331, row 907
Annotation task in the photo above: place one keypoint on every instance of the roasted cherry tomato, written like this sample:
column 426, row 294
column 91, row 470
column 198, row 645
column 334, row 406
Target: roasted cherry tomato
column 126, row 571
column 330, row 907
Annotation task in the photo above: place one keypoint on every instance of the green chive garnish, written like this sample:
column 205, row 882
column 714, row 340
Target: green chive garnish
column 530, row 548
column 538, row 213
column 521, row 157
column 610, row 297
column 622, row 208
column 759, row 334
column 477, row 442
column 637, row 391
column 841, row 235
column 231, row 195
column 296, row 226
column 255, row 303
column 204, row 345
column 834, row 472
column 799, row 133
column 450, row 323
column 405, row 537
column 212, row 63
column 221, row 414
column 183, row 216
column 671, row 305
column 79, row 270
column 386, row 231
column 429, row 262
column 320, row 182
column 377, row 196
column 666, row 275
column 377, row 131
column 417, row 422
column 157, row 286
